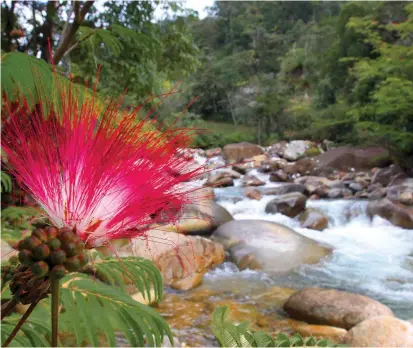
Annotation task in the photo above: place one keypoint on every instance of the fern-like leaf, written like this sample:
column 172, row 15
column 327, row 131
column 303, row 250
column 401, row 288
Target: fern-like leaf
column 140, row 271
column 92, row 307
column 6, row 183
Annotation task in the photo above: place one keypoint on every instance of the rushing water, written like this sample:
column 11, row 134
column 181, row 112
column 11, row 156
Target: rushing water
column 373, row 258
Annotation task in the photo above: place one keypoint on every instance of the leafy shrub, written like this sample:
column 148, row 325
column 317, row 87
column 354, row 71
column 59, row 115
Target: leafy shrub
column 231, row 335
column 313, row 151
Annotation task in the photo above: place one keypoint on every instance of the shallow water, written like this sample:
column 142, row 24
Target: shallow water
column 373, row 258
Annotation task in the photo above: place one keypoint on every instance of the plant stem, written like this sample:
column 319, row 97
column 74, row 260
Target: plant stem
column 20, row 323
column 55, row 287
column 8, row 307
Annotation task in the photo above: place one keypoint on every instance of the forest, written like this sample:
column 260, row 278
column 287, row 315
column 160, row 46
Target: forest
column 341, row 71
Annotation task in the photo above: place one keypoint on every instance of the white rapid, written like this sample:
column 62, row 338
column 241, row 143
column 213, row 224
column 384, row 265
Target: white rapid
column 373, row 258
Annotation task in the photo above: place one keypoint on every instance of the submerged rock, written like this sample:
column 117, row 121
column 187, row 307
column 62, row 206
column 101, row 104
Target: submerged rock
column 333, row 307
column 259, row 244
column 398, row 214
column 290, row 204
column 314, row 219
column 381, row 331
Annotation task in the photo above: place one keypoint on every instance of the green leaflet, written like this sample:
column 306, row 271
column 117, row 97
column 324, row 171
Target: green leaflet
column 230, row 335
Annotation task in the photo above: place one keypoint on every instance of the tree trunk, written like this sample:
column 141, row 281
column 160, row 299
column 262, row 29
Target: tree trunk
column 69, row 34
column 231, row 109
column 48, row 30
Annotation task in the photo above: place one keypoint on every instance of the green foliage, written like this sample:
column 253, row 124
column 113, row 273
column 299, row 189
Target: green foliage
column 231, row 335
column 6, row 183
column 313, row 151
column 95, row 313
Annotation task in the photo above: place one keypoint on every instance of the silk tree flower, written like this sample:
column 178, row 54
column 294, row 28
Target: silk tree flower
column 103, row 177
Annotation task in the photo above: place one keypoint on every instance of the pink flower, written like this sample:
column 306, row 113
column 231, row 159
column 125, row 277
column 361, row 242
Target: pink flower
column 107, row 179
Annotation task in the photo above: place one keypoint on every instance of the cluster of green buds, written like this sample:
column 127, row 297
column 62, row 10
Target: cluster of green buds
column 52, row 252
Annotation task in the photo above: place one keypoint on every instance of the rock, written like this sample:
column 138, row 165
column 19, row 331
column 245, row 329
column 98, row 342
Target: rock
column 278, row 176
column 290, row 204
column 251, row 180
column 265, row 168
column 241, row 168
column 333, row 307
column 355, row 187
column 398, row 214
column 331, row 333
column 373, row 187
column 314, row 197
column 296, row 149
column 287, row 188
column 350, row 159
column 313, row 219
column 258, row 160
column 278, row 148
column 312, row 182
column 239, row 151
column 401, row 193
column 321, row 191
column 339, row 193
column 267, row 245
column 253, row 194
column 378, row 193
column 220, row 180
column 380, row 331
column 182, row 260
column 384, row 176
column 398, row 179
column 303, row 166
column 217, row 151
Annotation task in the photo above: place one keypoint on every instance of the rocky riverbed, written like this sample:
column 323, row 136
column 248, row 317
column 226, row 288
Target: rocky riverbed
column 280, row 228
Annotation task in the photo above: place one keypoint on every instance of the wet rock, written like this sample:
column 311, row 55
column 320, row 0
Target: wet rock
column 312, row 182
column 287, row 188
column 355, row 187
column 314, row 197
column 278, row 176
column 265, row 168
column 321, row 191
column 267, row 245
column 339, row 193
column 217, row 151
column 378, row 193
column 258, row 160
column 398, row 214
column 278, row 148
column 333, row 307
column 401, row 193
column 350, row 159
column 241, row 168
column 240, row 151
column 313, row 219
column 398, row 179
column 251, row 180
column 220, row 180
column 381, row 331
column 304, row 166
column 182, row 260
column 373, row 187
column 384, row 176
column 253, row 194
column 290, row 204
column 296, row 149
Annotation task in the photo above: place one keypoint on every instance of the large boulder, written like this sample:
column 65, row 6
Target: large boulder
column 278, row 149
column 296, row 149
column 182, row 260
column 398, row 214
column 384, row 176
column 380, row 331
column 348, row 158
column 313, row 219
column 259, row 244
column 333, row 307
column 240, row 151
column 290, row 204
column 287, row 188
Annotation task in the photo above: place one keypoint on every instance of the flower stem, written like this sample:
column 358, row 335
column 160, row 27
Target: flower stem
column 55, row 289
column 20, row 323
column 8, row 307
